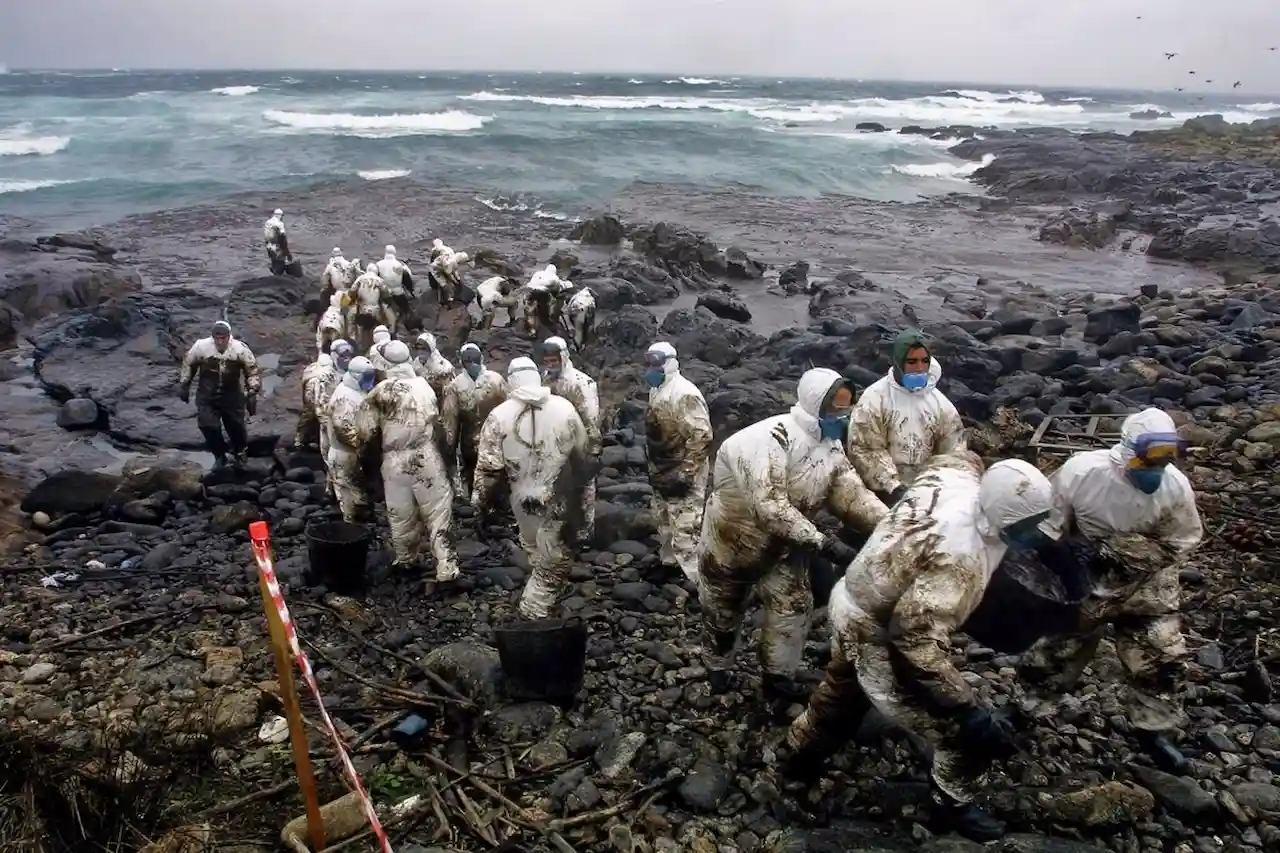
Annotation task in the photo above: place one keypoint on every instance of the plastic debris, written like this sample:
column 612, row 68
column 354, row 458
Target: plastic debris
column 58, row 579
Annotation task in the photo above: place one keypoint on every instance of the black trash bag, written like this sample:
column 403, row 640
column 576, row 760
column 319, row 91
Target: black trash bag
column 1034, row 593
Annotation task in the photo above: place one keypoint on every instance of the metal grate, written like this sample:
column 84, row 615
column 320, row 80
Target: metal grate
column 1072, row 434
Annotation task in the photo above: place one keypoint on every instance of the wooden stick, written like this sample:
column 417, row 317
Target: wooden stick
column 71, row 641
column 407, row 696
column 618, row 808
column 240, row 802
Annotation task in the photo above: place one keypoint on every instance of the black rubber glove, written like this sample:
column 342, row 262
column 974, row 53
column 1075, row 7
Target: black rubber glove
column 184, row 393
column 251, row 404
column 840, row 554
column 895, row 496
column 988, row 732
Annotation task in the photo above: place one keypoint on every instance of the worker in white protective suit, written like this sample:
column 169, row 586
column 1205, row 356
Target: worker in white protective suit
column 339, row 274
column 580, row 318
column 346, row 442
column 318, row 382
column 398, row 280
column 322, row 392
column 902, row 420
column 225, row 373
column 578, row 388
column 432, row 365
column 536, row 440
column 371, row 304
column 402, row 410
column 768, row 481
column 467, row 401
column 381, row 337
column 1134, row 502
column 334, row 322
column 915, row 583
column 445, row 270
column 541, row 300
column 276, row 239
column 678, row 438
column 492, row 294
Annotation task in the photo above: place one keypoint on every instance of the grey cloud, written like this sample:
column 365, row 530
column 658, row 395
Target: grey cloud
column 1082, row 42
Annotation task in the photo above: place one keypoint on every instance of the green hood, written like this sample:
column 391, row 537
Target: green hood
column 907, row 340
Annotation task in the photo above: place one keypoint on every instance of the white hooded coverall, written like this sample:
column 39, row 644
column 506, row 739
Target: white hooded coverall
column 444, row 269
column 769, row 479
column 541, row 300
column 345, row 443
column 893, row 431
column 338, row 274
column 434, row 367
column 333, row 322
column 276, row 239
column 916, row 582
column 371, row 308
column 678, row 437
column 1094, row 497
column 580, row 390
column 580, row 316
column 490, row 298
column 466, row 405
column 315, row 378
column 381, row 337
column 402, row 408
column 532, row 439
column 397, row 278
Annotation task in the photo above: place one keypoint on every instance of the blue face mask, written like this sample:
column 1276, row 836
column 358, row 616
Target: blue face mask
column 474, row 370
column 654, row 377
column 367, row 381
column 341, row 363
column 1146, row 480
column 915, row 381
column 833, row 426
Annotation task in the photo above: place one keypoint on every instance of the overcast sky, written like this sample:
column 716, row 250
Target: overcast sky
column 1069, row 42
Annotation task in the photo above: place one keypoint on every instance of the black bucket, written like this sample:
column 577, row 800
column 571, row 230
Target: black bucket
column 543, row 659
column 1027, row 600
column 337, row 552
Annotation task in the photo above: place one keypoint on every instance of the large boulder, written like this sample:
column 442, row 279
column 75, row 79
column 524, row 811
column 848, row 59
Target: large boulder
column 725, row 306
column 71, row 491
column 38, row 281
column 603, row 230
column 679, row 249
column 701, row 334
column 142, row 477
column 1079, row 229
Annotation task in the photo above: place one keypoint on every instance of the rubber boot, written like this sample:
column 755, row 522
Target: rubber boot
column 219, row 462
column 965, row 819
column 785, row 688
column 805, row 764
column 1163, row 751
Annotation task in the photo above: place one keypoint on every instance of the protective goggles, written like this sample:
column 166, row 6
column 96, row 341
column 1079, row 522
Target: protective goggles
column 1027, row 527
column 655, row 359
column 1155, row 450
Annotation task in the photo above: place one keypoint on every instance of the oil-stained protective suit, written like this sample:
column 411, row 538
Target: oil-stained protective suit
column 915, row 582
column 445, row 263
column 492, row 294
column 1094, row 496
column 227, row 385
column 318, row 388
column 432, row 366
column 580, row 317
column 468, row 399
column 540, row 302
column 371, row 308
column 339, row 274
column 398, row 280
column 345, row 439
column 402, row 408
column 894, row 430
column 678, row 434
column 768, row 481
column 536, row 440
column 276, row 239
column 579, row 389
column 381, row 337
column 333, row 322
column 313, row 376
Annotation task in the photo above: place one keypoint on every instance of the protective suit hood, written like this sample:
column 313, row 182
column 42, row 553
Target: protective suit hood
column 935, row 373
column 815, row 386
column 671, row 366
column 390, row 252
column 428, row 340
column 526, row 382
column 558, row 343
column 381, row 335
column 907, row 340
column 1011, row 491
column 1146, row 422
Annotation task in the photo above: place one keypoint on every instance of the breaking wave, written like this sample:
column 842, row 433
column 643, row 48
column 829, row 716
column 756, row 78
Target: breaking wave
column 378, row 126
column 235, row 91
column 17, row 142
column 384, row 174
column 944, row 171
column 29, row 186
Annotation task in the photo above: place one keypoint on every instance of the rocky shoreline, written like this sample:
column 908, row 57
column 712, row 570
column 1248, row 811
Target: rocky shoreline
column 651, row 760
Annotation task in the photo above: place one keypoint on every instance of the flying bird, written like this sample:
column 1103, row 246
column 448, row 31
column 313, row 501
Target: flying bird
column 1191, row 72
column 1208, row 81
column 1179, row 89
column 1271, row 48
column 1170, row 55
column 1235, row 85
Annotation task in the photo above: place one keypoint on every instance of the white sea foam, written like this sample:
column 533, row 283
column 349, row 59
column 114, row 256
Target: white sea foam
column 16, row 143
column 699, row 81
column 29, row 186
column 1018, row 108
column 515, row 206
column 378, row 126
column 1267, row 107
column 234, row 91
column 945, row 171
column 384, row 174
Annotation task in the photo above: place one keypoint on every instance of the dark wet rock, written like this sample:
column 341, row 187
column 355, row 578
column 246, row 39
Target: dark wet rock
column 1105, row 323
column 1079, row 229
column 679, row 249
column 497, row 263
column 603, row 230
column 233, row 517
column 71, row 491
column 795, row 278
column 182, row 479
column 706, row 785
column 1179, row 795
column 724, row 306
column 702, row 335
column 740, row 266
column 79, row 413
column 872, row 126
